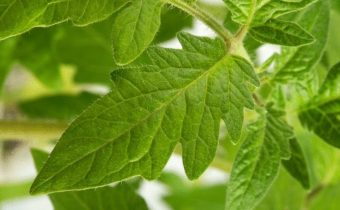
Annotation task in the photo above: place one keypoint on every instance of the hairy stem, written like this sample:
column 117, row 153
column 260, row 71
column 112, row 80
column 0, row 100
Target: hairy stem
column 23, row 130
column 196, row 12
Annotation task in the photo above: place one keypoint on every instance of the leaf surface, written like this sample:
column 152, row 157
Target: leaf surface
column 255, row 12
column 258, row 160
column 297, row 164
column 19, row 16
column 134, row 28
column 282, row 33
column 173, row 96
column 298, row 63
column 321, row 114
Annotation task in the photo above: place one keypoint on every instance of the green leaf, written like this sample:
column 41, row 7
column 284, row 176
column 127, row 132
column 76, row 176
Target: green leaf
column 90, row 54
column 336, row 5
column 325, row 198
column 284, row 194
column 282, row 33
column 250, row 12
column 175, row 95
column 173, row 20
column 6, row 58
column 192, row 196
column 321, row 114
column 297, row 165
column 12, row 191
column 333, row 45
column 34, row 51
column 258, row 160
column 19, row 16
column 61, row 107
column 134, row 28
column 120, row 197
column 44, row 51
column 297, row 63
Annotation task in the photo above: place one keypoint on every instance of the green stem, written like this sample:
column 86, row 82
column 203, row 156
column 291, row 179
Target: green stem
column 196, row 12
column 23, row 130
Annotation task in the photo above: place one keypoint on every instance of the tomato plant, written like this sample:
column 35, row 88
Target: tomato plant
column 120, row 104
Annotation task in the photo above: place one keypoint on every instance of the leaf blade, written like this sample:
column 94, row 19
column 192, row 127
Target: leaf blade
column 248, row 12
column 320, row 114
column 282, row 33
column 258, row 160
column 134, row 28
column 134, row 129
column 18, row 16
column 296, row 63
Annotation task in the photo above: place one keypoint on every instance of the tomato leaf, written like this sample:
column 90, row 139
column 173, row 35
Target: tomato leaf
column 177, row 96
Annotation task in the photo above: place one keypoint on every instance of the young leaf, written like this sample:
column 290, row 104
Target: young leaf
column 175, row 95
column 282, row 33
column 297, row 165
column 19, row 16
column 134, row 28
column 119, row 197
column 258, row 160
column 297, row 63
column 250, row 12
column 321, row 114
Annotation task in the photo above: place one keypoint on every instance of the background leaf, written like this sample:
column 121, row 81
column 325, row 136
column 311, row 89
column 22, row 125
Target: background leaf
column 297, row 165
column 249, row 12
column 257, row 162
column 120, row 197
column 20, row 16
column 321, row 113
column 134, row 28
column 188, row 196
column 298, row 63
column 6, row 55
column 173, row 20
column 61, row 107
column 282, row 33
